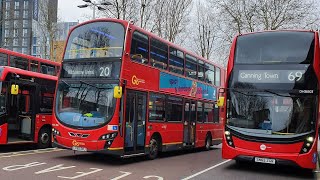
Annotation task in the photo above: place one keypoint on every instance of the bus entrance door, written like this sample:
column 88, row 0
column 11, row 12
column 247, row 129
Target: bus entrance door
column 3, row 113
column 21, row 114
column 189, row 123
column 135, row 120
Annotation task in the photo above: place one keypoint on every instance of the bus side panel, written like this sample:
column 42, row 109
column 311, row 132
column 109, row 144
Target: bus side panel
column 201, row 131
column 3, row 133
column 171, row 134
column 41, row 120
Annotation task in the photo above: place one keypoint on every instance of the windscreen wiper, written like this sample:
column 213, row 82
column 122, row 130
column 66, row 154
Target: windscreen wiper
column 271, row 92
column 65, row 83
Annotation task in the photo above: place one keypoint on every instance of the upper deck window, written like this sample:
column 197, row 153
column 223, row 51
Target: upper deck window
column 3, row 59
column 96, row 40
column 191, row 66
column 201, row 70
column 140, row 47
column 19, row 62
column 283, row 47
column 159, row 54
column 34, row 66
column 176, row 61
column 48, row 69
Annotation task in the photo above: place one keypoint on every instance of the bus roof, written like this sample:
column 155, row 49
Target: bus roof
column 13, row 53
column 282, row 30
column 7, row 69
column 126, row 23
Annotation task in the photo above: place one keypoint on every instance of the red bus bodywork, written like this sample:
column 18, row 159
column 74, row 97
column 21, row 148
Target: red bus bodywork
column 142, row 79
column 283, row 153
column 29, row 72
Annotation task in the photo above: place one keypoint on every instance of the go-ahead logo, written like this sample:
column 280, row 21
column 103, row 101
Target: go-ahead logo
column 76, row 143
column 137, row 81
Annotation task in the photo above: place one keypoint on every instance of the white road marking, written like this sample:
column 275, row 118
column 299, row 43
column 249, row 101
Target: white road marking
column 208, row 169
column 124, row 174
column 29, row 152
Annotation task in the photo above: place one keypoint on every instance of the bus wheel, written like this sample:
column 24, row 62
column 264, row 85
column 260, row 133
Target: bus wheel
column 208, row 143
column 153, row 149
column 44, row 138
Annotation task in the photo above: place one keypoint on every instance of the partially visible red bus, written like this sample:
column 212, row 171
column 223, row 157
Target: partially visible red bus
column 127, row 92
column 27, row 62
column 27, row 86
column 272, row 98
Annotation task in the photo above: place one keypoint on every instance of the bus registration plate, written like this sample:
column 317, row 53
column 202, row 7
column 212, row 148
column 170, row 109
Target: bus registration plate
column 265, row 160
column 76, row 148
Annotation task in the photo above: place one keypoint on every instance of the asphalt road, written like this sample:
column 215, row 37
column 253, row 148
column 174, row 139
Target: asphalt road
column 63, row 164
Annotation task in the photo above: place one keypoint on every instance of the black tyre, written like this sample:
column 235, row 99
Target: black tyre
column 153, row 148
column 208, row 143
column 44, row 138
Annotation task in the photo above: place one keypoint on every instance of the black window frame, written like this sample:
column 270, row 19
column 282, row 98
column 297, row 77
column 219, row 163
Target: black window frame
column 48, row 66
column 201, row 69
column 163, row 98
column 206, row 116
column 159, row 62
column 4, row 58
column 135, row 39
column 217, row 72
column 19, row 62
column 211, row 69
column 31, row 66
column 178, row 55
column 192, row 61
column 202, row 112
column 167, row 108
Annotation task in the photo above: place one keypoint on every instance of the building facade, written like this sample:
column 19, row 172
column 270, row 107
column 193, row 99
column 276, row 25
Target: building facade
column 24, row 25
column 61, row 36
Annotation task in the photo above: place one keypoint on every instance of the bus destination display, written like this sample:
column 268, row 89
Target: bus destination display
column 271, row 76
column 93, row 69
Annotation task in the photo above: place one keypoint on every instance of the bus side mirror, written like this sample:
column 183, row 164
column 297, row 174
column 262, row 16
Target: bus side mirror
column 220, row 102
column 117, row 92
column 14, row 89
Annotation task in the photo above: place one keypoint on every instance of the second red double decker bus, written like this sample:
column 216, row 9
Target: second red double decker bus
column 27, row 87
column 127, row 92
column 272, row 98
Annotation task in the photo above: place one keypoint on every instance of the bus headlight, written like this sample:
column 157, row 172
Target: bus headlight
column 310, row 139
column 55, row 132
column 307, row 145
column 108, row 136
column 229, row 138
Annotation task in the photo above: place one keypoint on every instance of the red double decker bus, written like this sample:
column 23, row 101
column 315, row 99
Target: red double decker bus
column 127, row 92
column 27, row 86
column 272, row 98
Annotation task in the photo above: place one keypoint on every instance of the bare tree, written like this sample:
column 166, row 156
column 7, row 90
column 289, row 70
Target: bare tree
column 205, row 34
column 241, row 16
column 122, row 9
column 171, row 17
column 255, row 15
column 146, row 13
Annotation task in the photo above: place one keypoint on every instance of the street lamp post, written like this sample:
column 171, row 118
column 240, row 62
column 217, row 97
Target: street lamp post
column 95, row 5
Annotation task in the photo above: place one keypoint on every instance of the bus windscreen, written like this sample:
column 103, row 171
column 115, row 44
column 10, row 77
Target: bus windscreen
column 281, row 47
column 96, row 40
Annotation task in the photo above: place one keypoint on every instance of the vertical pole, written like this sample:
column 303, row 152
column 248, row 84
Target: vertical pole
column 94, row 12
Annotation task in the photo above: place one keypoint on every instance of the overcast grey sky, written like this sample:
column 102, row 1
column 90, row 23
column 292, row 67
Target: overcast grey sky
column 68, row 11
